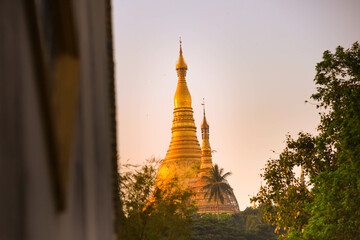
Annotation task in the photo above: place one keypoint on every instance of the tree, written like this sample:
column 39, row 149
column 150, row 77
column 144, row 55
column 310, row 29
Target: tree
column 335, row 210
column 217, row 186
column 327, row 206
column 151, row 212
column 136, row 186
column 246, row 225
column 284, row 197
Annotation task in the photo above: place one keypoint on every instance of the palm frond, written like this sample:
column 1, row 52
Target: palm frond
column 217, row 185
column 226, row 175
column 207, row 186
column 208, row 179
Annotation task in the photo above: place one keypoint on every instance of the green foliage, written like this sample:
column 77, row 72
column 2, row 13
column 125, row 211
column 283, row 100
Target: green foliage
column 246, row 225
column 328, row 208
column 284, row 198
column 136, row 185
column 152, row 212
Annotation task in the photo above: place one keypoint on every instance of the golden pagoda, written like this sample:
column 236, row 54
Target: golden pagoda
column 230, row 203
column 184, row 154
column 185, row 160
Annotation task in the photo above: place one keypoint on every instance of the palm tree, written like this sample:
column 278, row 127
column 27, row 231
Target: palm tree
column 217, row 186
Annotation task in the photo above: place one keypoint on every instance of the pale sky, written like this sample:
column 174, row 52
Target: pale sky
column 253, row 62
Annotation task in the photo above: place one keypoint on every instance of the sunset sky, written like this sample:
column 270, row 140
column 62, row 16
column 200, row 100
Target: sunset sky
column 253, row 62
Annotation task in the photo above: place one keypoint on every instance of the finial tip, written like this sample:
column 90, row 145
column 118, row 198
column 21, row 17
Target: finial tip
column 203, row 104
column 180, row 45
column 181, row 63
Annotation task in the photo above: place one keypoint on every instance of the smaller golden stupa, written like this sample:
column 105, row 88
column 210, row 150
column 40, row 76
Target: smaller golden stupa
column 230, row 203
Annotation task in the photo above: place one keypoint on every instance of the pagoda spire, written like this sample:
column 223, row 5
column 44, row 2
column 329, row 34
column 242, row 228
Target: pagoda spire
column 206, row 168
column 181, row 62
column 183, row 157
column 206, row 156
column 204, row 125
column 182, row 96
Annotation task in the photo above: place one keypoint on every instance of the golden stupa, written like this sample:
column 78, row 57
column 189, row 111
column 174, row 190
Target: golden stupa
column 230, row 203
column 184, row 154
column 185, row 160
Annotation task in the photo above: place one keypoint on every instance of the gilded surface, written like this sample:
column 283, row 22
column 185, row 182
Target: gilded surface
column 184, row 154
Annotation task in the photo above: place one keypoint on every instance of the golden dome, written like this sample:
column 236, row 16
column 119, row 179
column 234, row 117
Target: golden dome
column 182, row 96
column 181, row 62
